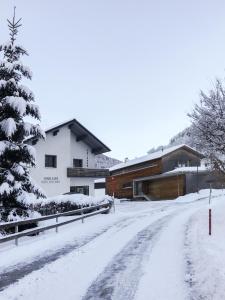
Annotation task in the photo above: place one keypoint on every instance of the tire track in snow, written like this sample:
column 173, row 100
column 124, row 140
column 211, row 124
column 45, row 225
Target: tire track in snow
column 197, row 290
column 120, row 278
column 18, row 271
column 188, row 262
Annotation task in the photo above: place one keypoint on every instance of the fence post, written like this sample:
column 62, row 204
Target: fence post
column 114, row 207
column 82, row 212
column 57, row 219
column 16, row 231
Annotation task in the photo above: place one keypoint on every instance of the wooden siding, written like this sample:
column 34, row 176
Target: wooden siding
column 165, row 188
column 117, row 184
column 182, row 157
column 85, row 172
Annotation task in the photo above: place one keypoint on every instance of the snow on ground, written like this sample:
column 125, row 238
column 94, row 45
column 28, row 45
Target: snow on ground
column 146, row 250
column 206, row 254
column 198, row 196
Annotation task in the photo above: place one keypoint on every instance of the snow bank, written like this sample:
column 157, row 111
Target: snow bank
column 206, row 254
column 199, row 196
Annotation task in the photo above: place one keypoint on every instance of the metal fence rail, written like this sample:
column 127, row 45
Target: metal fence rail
column 83, row 212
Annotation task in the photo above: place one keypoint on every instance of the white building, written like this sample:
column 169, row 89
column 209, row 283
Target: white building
column 100, row 187
column 66, row 159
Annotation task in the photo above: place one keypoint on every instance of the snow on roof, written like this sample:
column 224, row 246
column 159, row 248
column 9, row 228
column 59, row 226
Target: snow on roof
column 100, row 180
column 188, row 170
column 151, row 156
column 58, row 125
column 52, row 127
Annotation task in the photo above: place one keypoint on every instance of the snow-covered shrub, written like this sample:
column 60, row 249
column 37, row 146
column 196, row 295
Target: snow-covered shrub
column 18, row 214
column 63, row 203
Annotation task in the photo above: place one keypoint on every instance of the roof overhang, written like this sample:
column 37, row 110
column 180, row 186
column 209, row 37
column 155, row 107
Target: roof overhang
column 82, row 134
column 189, row 149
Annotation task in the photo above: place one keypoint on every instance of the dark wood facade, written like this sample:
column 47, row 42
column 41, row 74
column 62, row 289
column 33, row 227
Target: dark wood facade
column 120, row 183
column 165, row 188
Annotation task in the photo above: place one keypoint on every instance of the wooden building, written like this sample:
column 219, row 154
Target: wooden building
column 164, row 174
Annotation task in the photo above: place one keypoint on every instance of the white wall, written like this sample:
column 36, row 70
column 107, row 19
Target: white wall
column 99, row 192
column 78, row 181
column 80, row 150
column 53, row 181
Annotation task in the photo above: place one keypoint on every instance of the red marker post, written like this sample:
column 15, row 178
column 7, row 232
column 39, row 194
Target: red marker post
column 210, row 221
column 210, row 211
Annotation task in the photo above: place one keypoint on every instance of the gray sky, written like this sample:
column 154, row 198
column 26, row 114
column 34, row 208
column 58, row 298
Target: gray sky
column 127, row 70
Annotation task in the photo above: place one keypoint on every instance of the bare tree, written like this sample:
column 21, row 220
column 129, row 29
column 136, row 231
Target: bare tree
column 208, row 125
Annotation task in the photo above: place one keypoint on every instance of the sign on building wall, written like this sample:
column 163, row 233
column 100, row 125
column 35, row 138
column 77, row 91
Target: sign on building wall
column 50, row 180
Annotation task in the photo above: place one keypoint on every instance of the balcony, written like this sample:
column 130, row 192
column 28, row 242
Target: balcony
column 86, row 172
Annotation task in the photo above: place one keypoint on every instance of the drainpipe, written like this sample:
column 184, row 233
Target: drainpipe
column 178, row 186
column 197, row 180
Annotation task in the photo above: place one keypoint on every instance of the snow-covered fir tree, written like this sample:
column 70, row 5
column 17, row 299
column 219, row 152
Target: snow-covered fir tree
column 208, row 126
column 16, row 103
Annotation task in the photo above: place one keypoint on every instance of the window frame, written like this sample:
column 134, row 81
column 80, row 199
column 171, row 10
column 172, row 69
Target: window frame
column 78, row 160
column 49, row 163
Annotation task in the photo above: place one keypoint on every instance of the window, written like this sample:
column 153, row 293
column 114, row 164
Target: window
column 50, row 161
column 80, row 189
column 127, row 185
column 78, row 163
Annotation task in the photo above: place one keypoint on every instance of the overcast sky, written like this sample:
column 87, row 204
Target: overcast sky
column 127, row 70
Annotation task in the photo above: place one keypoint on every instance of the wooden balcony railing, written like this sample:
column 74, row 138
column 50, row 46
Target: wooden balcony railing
column 86, row 172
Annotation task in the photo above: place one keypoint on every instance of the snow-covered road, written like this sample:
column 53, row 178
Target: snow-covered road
column 143, row 251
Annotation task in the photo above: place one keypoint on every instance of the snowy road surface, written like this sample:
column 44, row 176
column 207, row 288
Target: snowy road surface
column 145, row 251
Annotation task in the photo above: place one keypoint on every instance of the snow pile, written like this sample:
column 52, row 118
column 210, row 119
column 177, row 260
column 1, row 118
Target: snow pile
column 199, row 196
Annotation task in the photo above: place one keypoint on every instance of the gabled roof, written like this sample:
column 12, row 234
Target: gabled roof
column 82, row 134
column 153, row 156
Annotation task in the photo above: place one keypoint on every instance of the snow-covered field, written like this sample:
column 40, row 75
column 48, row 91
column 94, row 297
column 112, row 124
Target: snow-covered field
column 143, row 251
